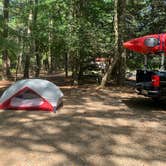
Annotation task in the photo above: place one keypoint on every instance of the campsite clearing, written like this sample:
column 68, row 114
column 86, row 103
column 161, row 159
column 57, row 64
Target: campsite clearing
column 94, row 128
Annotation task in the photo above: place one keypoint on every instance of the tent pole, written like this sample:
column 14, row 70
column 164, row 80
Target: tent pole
column 162, row 61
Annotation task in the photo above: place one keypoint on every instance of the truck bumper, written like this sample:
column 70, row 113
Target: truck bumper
column 149, row 93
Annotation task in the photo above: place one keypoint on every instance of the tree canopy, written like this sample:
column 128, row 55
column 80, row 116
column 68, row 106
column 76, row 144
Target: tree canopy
column 54, row 35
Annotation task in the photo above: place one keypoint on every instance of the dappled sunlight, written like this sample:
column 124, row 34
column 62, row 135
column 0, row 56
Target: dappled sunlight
column 94, row 127
column 96, row 118
column 5, row 83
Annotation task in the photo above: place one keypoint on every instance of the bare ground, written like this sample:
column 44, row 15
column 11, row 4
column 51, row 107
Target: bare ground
column 111, row 127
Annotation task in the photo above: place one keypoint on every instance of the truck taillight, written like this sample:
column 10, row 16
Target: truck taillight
column 155, row 80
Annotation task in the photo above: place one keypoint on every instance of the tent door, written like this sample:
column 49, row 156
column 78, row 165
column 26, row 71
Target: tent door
column 26, row 98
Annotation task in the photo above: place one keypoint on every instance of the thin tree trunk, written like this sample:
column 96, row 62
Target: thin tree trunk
column 119, row 54
column 18, row 66
column 75, row 68
column 109, row 72
column 122, row 69
column 5, row 57
column 29, row 34
column 66, row 63
column 27, row 64
column 116, row 56
column 36, row 43
column 49, row 65
column 78, row 13
column 122, row 51
column 53, row 59
column 38, row 61
column 50, row 47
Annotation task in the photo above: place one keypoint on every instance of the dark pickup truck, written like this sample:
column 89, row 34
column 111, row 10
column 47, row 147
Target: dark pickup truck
column 151, row 83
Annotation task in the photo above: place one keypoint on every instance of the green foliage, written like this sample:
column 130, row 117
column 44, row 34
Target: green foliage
column 8, row 43
column 84, row 29
column 144, row 17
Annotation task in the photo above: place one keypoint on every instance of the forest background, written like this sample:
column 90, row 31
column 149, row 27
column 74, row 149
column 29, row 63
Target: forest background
column 48, row 36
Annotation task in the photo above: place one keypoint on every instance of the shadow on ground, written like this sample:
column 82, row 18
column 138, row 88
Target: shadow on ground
column 94, row 128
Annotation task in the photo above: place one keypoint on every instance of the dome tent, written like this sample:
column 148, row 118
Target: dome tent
column 32, row 94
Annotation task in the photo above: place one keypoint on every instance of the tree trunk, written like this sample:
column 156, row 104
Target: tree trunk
column 50, row 70
column 78, row 14
column 108, row 73
column 75, row 69
column 5, row 57
column 27, row 64
column 18, row 66
column 38, row 60
column 119, row 54
column 36, row 42
column 29, row 34
column 53, row 59
column 122, row 69
column 66, row 63
column 122, row 51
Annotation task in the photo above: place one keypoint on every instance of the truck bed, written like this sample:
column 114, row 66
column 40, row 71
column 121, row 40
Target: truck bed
column 144, row 83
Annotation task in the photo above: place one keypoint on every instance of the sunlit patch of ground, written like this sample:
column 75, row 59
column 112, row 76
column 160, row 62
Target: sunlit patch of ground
column 95, row 127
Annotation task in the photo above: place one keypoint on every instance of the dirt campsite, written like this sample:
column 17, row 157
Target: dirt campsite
column 82, row 83
column 95, row 127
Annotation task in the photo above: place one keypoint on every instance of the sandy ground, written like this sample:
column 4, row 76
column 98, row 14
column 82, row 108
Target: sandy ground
column 111, row 127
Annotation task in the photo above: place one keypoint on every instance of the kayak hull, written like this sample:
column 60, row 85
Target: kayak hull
column 149, row 44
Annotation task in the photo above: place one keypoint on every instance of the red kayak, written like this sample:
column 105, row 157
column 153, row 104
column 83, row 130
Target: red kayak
column 147, row 44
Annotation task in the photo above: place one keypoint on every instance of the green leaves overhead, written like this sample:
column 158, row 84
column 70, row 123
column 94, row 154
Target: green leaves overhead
column 83, row 29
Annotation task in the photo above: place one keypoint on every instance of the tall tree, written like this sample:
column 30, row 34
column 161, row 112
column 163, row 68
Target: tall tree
column 30, row 43
column 119, row 54
column 5, row 54
column 74, row 32
column 36, row 40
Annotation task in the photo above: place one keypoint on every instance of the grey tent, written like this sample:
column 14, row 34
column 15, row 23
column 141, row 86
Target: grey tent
column 32, row 94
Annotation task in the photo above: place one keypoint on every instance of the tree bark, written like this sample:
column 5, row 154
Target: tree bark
column 38, row 60
column 36, row 42
column 5, row 57
column 66, row 63
column 75, row 68
column 78, row 14
column 122, row 51
column 29, row 34
column 119, row 54
column 18, row 66
column 50, row 40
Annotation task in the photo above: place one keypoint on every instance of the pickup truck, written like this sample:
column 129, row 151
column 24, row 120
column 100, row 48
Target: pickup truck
column 151, row 83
